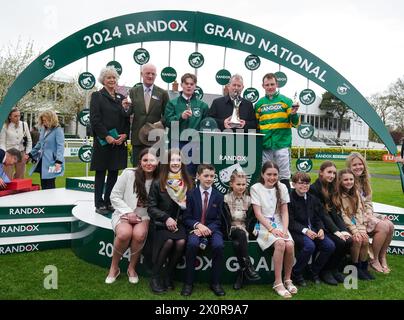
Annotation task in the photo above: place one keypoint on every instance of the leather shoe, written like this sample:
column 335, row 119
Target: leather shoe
column 299, row 280
column 155, row 286
column 112, row 279
column 328, row 278
column 217, row 290
column 316, row 279
column 338, row 276
column 186, row 290
column 102, row 210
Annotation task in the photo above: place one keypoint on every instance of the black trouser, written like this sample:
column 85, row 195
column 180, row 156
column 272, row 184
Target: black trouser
column 99, row 186
column 48, row 183
column 45, row 183
column 341, row 249
column 240, row 244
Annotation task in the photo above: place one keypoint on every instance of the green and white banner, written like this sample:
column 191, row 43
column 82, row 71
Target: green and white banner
column 195, row 27
column 36, row 212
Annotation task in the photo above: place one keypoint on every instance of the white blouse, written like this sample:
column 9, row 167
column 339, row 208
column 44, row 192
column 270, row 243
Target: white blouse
column 12, row 137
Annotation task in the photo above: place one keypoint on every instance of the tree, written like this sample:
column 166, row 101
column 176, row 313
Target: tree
column 334, row 106
column 396, row 92
column 64, row 97
column 13, row 60
column 382, row 103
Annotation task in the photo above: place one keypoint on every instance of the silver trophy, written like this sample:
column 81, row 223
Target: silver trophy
column 235, row 117
column 188, row 105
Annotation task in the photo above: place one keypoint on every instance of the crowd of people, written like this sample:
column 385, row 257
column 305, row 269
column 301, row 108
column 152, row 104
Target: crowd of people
column 159, row 210
column 169, row 210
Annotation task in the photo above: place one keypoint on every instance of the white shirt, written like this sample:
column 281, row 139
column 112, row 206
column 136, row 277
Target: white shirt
column 12, row 137
column 202, row 190
column 147, row 88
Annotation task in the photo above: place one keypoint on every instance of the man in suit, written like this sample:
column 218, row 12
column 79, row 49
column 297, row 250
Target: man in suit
column 7, row 158
column 202, row 218
column 148, row 105
column 307, row 229
column 222, row 108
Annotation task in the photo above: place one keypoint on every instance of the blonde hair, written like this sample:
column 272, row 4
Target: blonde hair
column 237, row 174
column 51, row 116
column 363, row 180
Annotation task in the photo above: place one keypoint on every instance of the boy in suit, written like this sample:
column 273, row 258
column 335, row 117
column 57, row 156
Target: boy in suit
column 307, row 229
column 202, row 218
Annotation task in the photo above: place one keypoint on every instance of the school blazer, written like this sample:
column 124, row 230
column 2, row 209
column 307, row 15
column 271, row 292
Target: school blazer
column 214, row 212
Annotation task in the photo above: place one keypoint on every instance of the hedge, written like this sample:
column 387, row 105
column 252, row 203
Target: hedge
column 310, row 152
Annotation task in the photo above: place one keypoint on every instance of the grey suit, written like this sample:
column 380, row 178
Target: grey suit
column 158, row 101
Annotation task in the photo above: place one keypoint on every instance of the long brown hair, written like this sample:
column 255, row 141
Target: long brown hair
column 165, row 169
column 269, row 165
column 8, row 121
column 363, row 180
column 351, row 194
column 140, row 178
column 327, row 188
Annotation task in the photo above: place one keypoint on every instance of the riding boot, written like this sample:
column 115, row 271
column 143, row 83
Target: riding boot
column 249, row 271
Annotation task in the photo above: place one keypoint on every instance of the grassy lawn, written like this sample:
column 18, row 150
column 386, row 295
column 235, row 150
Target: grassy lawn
column 22, row 275
column 80, row 280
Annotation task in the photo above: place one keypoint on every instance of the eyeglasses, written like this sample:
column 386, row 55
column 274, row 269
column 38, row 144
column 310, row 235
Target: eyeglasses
column 303, row 182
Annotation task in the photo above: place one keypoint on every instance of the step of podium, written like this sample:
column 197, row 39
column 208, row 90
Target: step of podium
column 80, row 183
column 40, row 220
column 394, row 214
column 25, row 227
column 41, row 242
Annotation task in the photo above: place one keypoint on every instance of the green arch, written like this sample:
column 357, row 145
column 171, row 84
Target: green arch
column 197, row 27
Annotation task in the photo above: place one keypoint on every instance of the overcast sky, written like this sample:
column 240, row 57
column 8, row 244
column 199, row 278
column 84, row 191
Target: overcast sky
column 362, row 40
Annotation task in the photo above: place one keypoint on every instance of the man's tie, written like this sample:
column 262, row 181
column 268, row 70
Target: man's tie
column 204, row 207
column 147, row 97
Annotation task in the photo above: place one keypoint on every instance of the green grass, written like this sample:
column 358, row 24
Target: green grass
column 80, row 280
column 22, row 275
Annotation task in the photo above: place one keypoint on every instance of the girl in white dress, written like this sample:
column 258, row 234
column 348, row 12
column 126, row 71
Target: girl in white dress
column 270, row 198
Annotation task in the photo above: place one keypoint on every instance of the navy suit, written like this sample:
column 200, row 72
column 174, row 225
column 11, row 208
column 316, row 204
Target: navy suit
column 192, row 215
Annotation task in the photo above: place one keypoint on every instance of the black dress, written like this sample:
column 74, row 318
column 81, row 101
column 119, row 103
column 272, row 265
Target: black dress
column 107, row 113
column 160, row 208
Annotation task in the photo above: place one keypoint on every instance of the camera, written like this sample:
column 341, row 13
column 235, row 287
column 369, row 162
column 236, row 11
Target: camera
column 203, row 243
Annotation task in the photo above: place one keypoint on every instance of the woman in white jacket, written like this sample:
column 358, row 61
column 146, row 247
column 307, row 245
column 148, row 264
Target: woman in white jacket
column 130, row 220
column 15, row 134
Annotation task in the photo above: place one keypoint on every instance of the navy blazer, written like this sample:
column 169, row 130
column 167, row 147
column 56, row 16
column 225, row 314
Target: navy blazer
column 222, row 108
column 214, row 212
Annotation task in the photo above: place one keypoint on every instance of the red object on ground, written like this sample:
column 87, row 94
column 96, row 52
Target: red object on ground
column 19, row 184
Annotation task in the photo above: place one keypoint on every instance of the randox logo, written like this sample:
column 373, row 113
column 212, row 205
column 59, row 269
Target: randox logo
column 89, row 186
column 399, row 233
column 19, row 248
column 251, row 94
column 48, row 62
column 19, row 228
column 252, row 62
column 307, row 96
column 141, row 56
column 393, row 217
column 26, row 211
column 196, row 60
column 85, row 153
column 86, row 80
column 305, row 131
column 343, row 89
